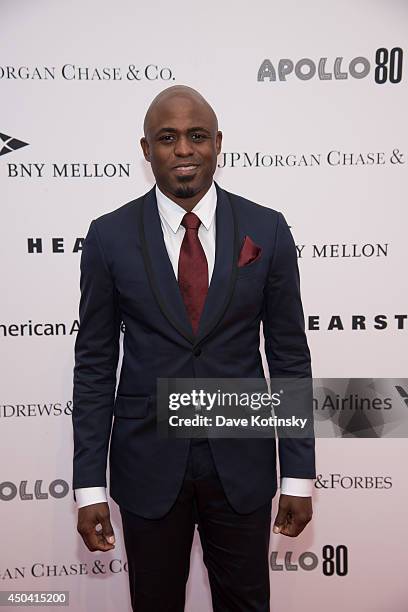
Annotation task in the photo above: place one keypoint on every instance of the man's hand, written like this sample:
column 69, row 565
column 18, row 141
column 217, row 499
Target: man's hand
column 88, row 518
column 294, row 513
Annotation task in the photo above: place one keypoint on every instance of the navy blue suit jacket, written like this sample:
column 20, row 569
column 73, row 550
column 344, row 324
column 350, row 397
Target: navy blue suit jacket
column 126, row 275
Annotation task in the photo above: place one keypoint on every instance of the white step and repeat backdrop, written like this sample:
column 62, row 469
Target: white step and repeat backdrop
column 312, row 99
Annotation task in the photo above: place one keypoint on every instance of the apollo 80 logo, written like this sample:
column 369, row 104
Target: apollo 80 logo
column 386, row 67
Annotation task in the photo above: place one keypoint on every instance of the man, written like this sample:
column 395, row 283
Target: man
column 191, row 270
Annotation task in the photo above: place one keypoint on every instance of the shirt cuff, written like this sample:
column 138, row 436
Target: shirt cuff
column 300, row 487
column 90, row 495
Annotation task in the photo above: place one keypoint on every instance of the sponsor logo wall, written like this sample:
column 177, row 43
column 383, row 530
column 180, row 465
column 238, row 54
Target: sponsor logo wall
column 312, row 103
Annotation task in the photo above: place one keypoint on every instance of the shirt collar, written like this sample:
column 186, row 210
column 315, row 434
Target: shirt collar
column 173, row 214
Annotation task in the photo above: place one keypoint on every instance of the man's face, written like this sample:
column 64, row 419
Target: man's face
column 182, row 143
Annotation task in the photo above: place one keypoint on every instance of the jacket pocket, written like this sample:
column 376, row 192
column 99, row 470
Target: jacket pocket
column 252, row 268
column 131, row 407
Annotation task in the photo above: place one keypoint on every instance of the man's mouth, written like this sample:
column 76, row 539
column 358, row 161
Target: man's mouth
column 185, row 169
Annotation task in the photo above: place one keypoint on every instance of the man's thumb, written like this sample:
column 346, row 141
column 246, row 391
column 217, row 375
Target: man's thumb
column 107, row 530
column 279, row 521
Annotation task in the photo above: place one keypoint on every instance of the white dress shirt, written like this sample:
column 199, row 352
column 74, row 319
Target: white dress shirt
column 171, row 215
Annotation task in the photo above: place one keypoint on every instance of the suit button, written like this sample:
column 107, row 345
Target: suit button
column 197, row 352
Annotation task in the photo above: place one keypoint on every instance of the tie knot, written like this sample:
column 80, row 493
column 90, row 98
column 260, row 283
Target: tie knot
column 191, row 221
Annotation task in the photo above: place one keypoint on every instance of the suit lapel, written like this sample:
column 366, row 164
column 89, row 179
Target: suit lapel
column 161, row 275
column 159, row 269
column 225, row 266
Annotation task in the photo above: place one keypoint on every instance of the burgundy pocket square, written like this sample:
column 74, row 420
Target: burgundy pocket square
column 249, row 252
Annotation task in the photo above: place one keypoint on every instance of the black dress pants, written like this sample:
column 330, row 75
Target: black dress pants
column 235, row 546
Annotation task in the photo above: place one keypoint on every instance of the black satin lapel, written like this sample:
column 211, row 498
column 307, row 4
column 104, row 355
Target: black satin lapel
column 159, row 269
column 225, row 266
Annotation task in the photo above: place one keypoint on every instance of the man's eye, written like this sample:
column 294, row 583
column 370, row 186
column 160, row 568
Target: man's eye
column 167, row 137
column 198, row 136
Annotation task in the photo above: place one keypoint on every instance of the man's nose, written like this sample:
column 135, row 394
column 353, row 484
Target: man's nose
column 183, row 147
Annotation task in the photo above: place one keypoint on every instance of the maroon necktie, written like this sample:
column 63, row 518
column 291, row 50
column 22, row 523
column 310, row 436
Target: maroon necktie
column 192, row 270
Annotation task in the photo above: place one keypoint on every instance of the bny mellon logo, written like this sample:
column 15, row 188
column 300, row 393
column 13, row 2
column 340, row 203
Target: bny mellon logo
column 9, row 144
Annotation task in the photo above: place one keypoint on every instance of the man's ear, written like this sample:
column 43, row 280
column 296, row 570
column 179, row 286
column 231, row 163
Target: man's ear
column 145, row 147
column 218, row 142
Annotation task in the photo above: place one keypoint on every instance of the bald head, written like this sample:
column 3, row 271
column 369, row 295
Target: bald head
column 172, row 96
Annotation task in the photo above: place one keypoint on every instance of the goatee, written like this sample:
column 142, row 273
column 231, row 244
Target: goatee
column 185, row 191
